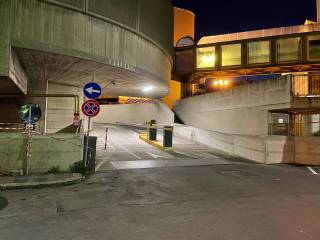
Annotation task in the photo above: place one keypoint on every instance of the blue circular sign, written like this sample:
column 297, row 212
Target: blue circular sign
column 30, row 113
column 92, row 90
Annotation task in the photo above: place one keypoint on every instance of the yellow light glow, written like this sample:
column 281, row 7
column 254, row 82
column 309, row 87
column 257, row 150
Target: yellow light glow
column 209, row 60
column 226, row 82
column 216, row 83
column 221, row 82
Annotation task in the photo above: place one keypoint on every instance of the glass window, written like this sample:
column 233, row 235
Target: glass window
column 231, row 55
column 206, row 57
column 288, row 49
column 314, row 47
column 279, row 124
column 259, row 52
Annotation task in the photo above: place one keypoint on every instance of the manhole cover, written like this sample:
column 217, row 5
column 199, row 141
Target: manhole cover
column 3, row 203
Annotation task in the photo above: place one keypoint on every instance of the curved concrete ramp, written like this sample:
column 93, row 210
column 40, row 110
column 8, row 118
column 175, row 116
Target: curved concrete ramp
column 126, row 151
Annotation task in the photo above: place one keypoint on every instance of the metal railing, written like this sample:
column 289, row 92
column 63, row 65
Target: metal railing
column 307, row 85
column 11, row 127
column 298, row 129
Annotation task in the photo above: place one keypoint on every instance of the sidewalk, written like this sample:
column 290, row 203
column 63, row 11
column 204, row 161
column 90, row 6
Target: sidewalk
column 38, row 180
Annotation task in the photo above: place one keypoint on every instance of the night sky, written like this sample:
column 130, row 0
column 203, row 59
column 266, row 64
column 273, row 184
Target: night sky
column 227, row 16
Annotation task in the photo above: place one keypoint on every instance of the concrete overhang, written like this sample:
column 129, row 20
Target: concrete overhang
column 72, row 71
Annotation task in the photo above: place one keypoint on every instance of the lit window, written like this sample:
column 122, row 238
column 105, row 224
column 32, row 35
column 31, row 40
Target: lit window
column 206, row 57
column 314, row 48
column 231, row 55
column 259, row 52
column 288, row 49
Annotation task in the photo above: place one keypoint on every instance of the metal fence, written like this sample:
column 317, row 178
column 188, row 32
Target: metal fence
column 11, row 127
column 306, row 85
column 298, row 129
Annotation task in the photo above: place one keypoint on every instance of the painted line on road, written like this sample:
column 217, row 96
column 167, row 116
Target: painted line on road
column 187, row 155
column 128, row 151
column 155, row 155
column 101, row 164
column 7, row 216
column 313, row 171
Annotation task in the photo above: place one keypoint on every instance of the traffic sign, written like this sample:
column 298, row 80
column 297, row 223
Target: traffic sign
column 30, row 113
column 91, row 108
column 92, row 90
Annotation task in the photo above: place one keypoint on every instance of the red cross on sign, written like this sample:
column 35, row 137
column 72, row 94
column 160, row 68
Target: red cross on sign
column 91, row 108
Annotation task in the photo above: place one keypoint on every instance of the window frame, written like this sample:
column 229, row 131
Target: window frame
column 215, row 56
column 241, row 55
column 308, row 47
column 299, row 50
column 270, row 52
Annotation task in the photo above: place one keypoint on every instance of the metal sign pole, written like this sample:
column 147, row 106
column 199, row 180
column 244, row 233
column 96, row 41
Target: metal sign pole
column 29, row 141
column 106, row 140
column 87, row 143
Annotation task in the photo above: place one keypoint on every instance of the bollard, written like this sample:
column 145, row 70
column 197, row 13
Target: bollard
column 152, row 134
column 167, row 136
column 106, row 140
column 90, row 150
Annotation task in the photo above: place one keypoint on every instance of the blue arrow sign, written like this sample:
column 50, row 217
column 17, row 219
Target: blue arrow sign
column 92, row 90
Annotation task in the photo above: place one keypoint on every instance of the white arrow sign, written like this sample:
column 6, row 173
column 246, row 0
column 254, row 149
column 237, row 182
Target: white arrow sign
column 90, row 90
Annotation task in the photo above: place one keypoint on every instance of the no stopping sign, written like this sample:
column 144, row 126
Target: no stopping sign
column 91, row 108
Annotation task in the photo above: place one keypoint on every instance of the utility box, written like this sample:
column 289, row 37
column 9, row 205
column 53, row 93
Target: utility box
column 167, row 136
column 91, row 153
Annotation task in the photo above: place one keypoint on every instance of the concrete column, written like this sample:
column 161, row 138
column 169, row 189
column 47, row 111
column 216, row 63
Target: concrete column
column 39, row 86
column 318, row 10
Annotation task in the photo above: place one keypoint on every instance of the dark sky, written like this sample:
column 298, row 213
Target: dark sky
column 227, row 16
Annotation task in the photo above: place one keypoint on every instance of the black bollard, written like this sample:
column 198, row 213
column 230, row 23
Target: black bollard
column 167, row 136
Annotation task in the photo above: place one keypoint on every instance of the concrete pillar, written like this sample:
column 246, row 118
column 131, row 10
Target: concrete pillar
column 39, row 86
column 318, row 10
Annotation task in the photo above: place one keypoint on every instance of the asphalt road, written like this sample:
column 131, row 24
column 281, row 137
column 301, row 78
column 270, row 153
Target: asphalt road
column 234, row 201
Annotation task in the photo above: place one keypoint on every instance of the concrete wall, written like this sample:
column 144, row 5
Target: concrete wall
column 17, row 73
column 47, row 151
column 267, row 150
column 241, row 110
column 5, row 37
column 74, row 32
column 135, row 114
column 184, row 24
column 60, row 110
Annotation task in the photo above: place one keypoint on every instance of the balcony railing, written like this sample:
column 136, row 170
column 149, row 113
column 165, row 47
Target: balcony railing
column 297, row 129
column 306, row 85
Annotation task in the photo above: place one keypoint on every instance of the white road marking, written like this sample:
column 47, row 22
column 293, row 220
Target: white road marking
column 313, row 171
column 155, row 155
column 128, row 151
column 185, row 154
column 8, row 216
column 209, row 155
column 100, row 164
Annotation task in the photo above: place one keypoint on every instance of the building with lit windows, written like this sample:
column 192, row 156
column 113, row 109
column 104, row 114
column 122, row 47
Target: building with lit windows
column 255, row 94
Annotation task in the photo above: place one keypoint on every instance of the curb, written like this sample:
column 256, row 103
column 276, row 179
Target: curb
column 76, row 178
column 157, row 144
